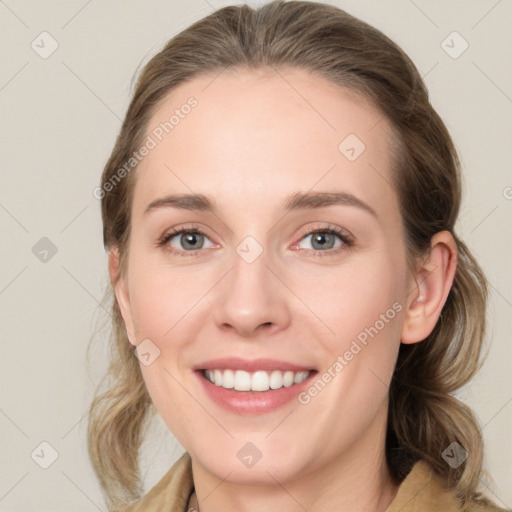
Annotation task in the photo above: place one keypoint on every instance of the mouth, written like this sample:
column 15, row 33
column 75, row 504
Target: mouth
column 252, row 386
column 260, row 380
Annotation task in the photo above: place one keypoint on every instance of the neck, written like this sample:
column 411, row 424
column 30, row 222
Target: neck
column 356, row 481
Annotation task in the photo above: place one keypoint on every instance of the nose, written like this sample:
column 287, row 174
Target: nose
column 252, row 300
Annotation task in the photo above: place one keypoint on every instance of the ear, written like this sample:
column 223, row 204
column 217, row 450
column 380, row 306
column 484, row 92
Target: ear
column 121, row 292
column 433, row 280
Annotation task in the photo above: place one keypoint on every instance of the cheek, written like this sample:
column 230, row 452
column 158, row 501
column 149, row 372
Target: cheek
column 161, row 297
column 357, row 296
column 364, row 310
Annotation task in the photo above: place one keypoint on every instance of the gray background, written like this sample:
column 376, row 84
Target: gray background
column 60, row 116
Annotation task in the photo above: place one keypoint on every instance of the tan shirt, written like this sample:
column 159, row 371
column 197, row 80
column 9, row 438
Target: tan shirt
column 421, row 491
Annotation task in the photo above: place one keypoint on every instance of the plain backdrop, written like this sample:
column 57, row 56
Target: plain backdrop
column 60, row 116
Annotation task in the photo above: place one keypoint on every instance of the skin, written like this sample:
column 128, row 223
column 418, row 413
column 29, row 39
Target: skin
column 252, row 141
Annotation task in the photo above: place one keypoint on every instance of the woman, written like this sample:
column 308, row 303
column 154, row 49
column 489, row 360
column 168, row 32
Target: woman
column 290, row 293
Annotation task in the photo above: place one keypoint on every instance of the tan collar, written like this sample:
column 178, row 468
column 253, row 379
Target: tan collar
column 421, row 491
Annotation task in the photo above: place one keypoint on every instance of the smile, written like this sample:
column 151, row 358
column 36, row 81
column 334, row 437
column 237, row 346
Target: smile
column 260, row 380
column 252, row 386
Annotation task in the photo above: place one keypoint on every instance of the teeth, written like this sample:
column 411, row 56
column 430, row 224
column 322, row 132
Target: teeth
column 260, row 380
column 288, row 378
column 242, row 381
column 228, row 379
column 276, row 379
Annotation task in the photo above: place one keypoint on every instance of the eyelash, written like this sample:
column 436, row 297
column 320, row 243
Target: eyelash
column 347, row 240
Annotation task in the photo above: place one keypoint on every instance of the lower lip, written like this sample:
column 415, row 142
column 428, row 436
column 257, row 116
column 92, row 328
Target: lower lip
column 252, row 402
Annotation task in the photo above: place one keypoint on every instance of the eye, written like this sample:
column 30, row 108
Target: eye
column 328, row 239
column 325, row 239
column 187, row 240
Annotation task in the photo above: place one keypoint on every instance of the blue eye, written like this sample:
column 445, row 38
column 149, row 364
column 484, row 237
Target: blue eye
column 321, row 240
column 189, row 240
column 185, row 241
column 324, row 241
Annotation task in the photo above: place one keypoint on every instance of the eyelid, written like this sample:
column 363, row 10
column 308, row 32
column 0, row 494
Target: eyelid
column 326, row 227
column 345, row 236
column 163, row 241
column 347, row 240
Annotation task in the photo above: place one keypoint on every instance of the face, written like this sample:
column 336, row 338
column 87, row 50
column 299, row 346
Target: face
column 292, row 266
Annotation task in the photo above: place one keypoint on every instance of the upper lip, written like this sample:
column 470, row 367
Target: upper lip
column 249, row 365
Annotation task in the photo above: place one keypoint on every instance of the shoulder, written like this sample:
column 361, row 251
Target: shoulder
column 483, row 504
column 171, row 493
column 424, row 490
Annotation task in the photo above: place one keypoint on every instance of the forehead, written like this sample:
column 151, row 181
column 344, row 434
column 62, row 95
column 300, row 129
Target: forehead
column 261, row 134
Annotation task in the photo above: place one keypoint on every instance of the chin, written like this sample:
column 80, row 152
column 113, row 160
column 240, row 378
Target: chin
column 254, row 463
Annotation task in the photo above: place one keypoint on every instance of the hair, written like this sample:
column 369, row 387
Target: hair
column 424, row 417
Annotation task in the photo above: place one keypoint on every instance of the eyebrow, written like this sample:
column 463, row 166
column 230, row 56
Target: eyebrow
column 296, row 201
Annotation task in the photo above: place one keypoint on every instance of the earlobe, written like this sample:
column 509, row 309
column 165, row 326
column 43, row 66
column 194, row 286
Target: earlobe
column 432, row 283
column 119, row 285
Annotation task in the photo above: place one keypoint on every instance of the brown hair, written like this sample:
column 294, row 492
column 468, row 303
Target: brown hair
column 424, row 417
